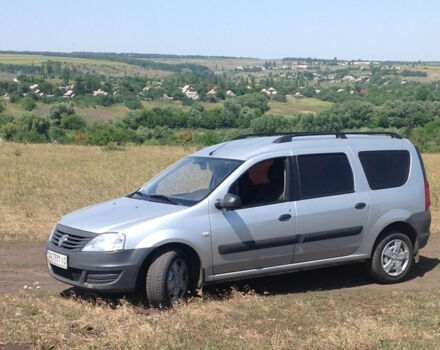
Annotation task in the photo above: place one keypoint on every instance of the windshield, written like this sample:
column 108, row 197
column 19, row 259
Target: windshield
column 188, row 181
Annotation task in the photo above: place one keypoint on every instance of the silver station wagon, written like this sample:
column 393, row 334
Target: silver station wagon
column 253, row 206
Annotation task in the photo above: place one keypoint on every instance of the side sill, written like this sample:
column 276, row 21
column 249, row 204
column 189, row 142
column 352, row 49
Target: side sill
column 276, row 270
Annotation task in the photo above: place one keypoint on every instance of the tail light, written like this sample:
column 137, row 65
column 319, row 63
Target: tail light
column 427, row 196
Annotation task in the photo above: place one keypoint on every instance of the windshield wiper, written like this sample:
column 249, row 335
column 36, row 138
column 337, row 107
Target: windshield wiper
column 142, row 194
column 161, row 196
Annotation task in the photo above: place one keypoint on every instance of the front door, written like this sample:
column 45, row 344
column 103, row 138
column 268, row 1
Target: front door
column 261, row 232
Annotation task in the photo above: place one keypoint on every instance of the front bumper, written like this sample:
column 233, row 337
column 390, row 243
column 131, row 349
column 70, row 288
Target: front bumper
column 100, row 271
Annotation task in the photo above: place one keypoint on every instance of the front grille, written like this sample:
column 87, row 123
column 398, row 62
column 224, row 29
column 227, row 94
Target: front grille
column 73, row 239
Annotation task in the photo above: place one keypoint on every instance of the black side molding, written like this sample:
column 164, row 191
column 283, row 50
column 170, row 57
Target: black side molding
column 254, row 245
column 319, row 236
column 288, row 240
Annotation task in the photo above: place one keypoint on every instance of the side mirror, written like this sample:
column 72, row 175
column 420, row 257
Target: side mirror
column 229, row 202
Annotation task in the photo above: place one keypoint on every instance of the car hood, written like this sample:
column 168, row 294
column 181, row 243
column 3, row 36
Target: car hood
column 117, row 215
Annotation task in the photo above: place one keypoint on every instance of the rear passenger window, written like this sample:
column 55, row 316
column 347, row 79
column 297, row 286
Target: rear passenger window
column 385, row 169
column 324, row 175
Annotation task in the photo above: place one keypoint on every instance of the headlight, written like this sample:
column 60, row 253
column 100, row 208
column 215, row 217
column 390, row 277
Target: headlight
column 106, row 242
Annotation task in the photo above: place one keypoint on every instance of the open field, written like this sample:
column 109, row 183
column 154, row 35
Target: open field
column 39, row 183
column 85, row 65
column 334, row 308
column 432, row 71
column 214, row 63
column 38, row 59
column 297, row 106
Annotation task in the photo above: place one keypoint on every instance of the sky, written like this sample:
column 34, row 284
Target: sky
column 346, row 29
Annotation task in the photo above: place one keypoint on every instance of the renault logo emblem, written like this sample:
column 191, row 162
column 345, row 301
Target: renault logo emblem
column 62, row 239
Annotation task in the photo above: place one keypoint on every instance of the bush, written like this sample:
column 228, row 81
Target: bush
column 57, row 134
column 105, row 100
column 113, row 146
column 8, row 131
column 280, row 98
column 207, row 138
column 72, row 122
column 6, row 118
column 268, row 124
column 60, row 109
column 30, row 136
column 28, row 103
column 133, row 103
column 143, row 134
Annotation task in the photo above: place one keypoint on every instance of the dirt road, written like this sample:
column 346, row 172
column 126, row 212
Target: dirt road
column 23, row 267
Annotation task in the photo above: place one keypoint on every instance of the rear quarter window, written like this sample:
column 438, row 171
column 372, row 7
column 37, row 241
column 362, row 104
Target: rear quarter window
column 385, row 169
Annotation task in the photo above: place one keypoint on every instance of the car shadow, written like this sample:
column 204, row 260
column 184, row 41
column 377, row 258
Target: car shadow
column 330, row 278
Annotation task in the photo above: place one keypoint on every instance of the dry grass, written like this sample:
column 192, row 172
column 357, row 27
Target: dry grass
column 325, row 320
column 432, row 164
column 40, row 183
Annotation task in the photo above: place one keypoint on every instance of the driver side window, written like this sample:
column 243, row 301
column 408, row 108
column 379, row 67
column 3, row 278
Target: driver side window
column 264, row 183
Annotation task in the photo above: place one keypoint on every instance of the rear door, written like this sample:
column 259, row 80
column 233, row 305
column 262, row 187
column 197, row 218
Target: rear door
column 332, row 208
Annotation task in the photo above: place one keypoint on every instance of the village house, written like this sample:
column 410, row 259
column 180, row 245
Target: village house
column 230, row 93
column 211, row 92
column 348, row 79
column 99, row 92
column 269, row 92
column 167, row 98
column 193, row 95
column 69, row 94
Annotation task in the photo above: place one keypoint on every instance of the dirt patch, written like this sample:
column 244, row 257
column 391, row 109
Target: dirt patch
column 23, row 267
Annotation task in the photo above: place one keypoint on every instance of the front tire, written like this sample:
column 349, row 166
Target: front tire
column 392, row 258
column 168, row 278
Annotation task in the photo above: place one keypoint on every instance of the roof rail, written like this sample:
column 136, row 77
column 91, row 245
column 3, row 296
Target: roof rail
column 339, row 135
column 245, row 136
column 288, row 136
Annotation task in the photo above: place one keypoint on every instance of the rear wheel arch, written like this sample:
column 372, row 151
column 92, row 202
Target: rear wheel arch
column 398, row 226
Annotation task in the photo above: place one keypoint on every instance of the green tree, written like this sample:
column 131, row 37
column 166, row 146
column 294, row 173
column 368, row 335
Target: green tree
column 28, row 103
column 66, row 75
column 60, row 109
column 72, row 122
column 35, row 122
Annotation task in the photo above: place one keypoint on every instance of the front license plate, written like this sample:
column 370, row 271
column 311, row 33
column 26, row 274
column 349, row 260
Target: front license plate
column 56, row 259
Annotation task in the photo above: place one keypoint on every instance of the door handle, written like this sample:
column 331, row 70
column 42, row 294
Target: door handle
column 360, row 205
column 285, row 217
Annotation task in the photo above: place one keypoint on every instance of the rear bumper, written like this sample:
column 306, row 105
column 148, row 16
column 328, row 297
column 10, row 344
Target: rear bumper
column 421, row 223
column 100, row 271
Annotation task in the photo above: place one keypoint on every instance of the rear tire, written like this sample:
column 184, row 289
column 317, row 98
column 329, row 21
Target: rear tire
column 392, row 258
column 168, row 278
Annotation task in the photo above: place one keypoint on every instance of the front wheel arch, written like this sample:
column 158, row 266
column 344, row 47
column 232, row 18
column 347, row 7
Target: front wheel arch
column 194, row 262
